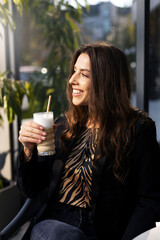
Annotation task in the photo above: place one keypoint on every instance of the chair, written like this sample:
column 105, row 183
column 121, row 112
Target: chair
column 28, row 211
column 3, row 181
column 151, row 234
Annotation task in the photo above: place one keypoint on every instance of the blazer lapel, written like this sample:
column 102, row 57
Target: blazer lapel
column 98, row 169
column 57, row 169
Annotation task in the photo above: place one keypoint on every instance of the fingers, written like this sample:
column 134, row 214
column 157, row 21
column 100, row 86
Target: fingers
column 27, row 136
column 31, row 132
column 25, row 140
column 32, row 124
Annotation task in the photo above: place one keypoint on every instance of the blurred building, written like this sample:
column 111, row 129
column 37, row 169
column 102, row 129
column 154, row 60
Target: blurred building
column 101, row 18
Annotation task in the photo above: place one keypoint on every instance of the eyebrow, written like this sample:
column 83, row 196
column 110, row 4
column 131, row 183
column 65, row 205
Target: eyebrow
column 83, row 69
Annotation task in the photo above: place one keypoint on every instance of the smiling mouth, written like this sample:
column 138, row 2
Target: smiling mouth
column 77, row 91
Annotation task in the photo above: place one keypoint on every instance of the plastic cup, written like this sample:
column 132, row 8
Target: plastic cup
column 47, row 146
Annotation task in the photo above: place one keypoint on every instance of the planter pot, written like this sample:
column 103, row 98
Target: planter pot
column 10, row 204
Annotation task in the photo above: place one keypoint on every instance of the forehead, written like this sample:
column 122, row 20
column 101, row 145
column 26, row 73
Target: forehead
column 83, row 61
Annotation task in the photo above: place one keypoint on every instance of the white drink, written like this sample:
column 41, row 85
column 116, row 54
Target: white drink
column 46, row 147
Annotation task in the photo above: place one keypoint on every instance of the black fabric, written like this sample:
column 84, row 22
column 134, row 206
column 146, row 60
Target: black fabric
column 73, row 215
column 120, row 211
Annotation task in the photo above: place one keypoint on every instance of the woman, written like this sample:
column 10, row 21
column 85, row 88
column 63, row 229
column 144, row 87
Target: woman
column 104, row 180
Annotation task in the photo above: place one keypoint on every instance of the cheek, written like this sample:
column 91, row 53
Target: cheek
column 88, row 87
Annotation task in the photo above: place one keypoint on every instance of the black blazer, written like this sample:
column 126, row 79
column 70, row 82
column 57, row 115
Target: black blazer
column 121, row 211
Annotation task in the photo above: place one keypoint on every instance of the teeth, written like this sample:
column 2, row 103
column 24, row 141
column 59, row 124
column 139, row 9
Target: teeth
column 76, row 91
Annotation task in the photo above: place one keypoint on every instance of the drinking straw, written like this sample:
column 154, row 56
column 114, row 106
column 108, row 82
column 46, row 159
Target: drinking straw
column 48, row 105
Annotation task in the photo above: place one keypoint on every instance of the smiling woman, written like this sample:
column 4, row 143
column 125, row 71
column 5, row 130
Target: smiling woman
column 80, row 80
column 105, row 172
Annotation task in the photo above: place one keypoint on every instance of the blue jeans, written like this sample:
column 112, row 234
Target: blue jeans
column 64, row 222
column 55, row 230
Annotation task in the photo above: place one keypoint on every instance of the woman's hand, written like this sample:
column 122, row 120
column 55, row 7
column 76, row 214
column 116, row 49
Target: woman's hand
column 30, row 134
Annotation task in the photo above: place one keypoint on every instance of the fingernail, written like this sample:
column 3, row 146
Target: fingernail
column 43, row 133
column 43, row 138
column 41, row 128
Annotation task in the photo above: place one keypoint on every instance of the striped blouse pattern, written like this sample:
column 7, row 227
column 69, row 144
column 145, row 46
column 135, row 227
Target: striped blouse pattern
column 75, row 187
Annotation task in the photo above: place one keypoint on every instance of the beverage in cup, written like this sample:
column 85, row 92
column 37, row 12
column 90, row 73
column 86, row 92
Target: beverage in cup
column 47, row 146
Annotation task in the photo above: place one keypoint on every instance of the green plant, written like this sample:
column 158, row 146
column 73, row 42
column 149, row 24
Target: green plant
column 57, row 26
column 11, row 95
column 6, row 16
column 57, row 22
column 11, row 91
column 41, row 92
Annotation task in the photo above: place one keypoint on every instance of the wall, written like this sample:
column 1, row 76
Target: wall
column 4, row 130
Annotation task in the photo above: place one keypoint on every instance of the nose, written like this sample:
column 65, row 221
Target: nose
column 73, row 79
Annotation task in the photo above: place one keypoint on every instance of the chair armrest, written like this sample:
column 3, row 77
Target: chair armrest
column 28, row 211
column 25, row 214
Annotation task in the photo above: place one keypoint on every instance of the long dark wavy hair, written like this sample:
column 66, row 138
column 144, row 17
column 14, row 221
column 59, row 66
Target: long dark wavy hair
column 109, row 104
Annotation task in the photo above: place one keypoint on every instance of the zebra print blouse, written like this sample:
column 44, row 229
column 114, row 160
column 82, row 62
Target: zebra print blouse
column 75, row 186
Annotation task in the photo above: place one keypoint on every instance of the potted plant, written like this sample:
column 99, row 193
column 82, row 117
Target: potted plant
column 11, row 96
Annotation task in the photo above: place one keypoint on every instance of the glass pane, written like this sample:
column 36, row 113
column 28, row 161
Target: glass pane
column 154, row 79
column 115, row 22
column 112, row 21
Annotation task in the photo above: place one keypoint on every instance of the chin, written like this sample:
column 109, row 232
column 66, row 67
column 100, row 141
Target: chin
column 79, row 102
column 75, row 103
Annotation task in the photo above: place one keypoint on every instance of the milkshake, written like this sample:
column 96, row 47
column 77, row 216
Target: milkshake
column 46, row 147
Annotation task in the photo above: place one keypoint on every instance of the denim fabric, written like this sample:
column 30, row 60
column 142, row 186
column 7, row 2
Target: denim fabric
column 65, row 222
column 56, row 230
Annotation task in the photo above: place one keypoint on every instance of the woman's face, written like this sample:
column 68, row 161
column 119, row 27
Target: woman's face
column 81, row 80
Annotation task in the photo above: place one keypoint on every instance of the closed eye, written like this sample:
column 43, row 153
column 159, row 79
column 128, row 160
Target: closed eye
column 84, row 75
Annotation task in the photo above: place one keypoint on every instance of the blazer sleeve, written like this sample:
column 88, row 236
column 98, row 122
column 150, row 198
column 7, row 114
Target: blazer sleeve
column 146, row 178
column 35, row 175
